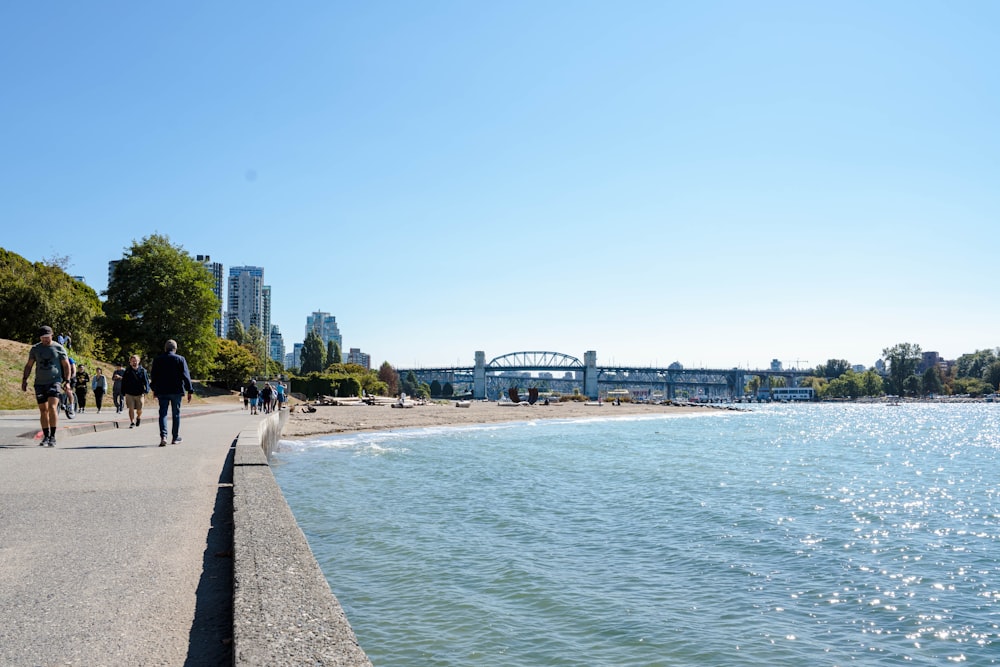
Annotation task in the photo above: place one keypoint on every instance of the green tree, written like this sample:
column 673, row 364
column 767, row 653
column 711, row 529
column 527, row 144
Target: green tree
column 255, row 342
column 43, row 293
column 871, row 383
column 388, row 375
column 313, row 357
column 354, row 379
column 833, row 368
column 410, row 386
column 836, row 388
column 930, row 382
column 912, row 386
column 972, row 365
column 371, row 384
column 435, row 388
column 903, row 359
column 447, row 390
column 156, row 292
column 972, row 386
column 237, row 332
column 853, row 383
column 991, row 374
column 233, row 364
column 333, row 353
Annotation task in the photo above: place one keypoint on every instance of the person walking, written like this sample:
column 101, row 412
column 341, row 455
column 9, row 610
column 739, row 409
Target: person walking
column 171, row 379
column 265, row 397
column 135, row 386
column 51, row 365
column 100, row 386
column 252, row 393
column 116, row 388
column 82, row 385
column 68, row 400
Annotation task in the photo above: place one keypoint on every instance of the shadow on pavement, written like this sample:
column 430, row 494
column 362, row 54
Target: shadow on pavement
column 210, row 640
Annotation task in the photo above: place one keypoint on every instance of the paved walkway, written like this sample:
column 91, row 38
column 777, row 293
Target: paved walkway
column 114, row 551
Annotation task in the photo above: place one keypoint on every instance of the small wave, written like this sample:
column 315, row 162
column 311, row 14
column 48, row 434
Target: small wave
column 383, row 440
column 344, row 443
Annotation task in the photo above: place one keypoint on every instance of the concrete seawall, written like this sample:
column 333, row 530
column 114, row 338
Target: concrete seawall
column 283, row 609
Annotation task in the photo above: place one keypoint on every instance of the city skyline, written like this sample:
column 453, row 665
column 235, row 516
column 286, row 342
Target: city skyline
column 717, row 184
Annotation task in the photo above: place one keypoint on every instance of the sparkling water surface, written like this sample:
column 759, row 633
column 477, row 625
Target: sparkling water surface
column 787, row 535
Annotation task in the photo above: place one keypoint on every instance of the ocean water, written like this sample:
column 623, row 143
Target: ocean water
column 786, row 535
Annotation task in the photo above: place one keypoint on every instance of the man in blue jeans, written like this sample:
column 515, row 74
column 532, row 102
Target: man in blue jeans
column 171, row 379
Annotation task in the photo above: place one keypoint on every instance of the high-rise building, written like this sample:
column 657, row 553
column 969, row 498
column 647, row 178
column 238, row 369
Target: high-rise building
column 294, row 358
column 214, row 268
column 246, row 299
column 277, row 345
column 356, row 356
column 927, row 360
column 325, row 326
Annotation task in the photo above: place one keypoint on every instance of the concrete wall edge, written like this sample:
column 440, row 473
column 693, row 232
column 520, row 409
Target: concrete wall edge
column 283, row 609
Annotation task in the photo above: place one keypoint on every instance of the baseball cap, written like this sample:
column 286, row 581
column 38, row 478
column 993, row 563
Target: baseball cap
column 45, row 331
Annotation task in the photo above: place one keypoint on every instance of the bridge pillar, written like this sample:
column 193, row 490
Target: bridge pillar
column 738, row 383
column 479, row 377
column 590, row 374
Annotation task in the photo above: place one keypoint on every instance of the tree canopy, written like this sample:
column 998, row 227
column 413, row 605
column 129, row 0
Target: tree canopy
column 833, row 368
column 974, row 364
column 930, row 382
column 157, row 292
column 313, row 357
column 233, row 364
column 237, row 332
column 903, row 359
column 410, row 386
column 35, row 294
column 333, row 353
column 388, row 375
column 991, row 374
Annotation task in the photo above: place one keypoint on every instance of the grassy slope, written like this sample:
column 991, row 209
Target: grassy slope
column 13, row 356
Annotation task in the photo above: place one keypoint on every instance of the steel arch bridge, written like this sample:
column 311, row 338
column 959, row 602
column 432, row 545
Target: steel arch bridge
column 487, row 380
column 536, row 361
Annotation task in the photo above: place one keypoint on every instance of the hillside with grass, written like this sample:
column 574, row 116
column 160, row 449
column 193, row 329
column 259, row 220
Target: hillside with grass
column 13, row 356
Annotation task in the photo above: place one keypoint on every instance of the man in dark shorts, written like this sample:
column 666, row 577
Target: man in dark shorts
column 52, row 374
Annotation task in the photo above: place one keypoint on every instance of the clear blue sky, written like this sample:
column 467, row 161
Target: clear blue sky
column 715, row 183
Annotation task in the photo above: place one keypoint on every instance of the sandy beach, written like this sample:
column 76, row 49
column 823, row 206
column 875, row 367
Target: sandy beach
column 357, row 416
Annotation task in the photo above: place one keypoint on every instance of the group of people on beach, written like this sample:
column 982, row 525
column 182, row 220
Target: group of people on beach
column 58, row 377
column 265, row 399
